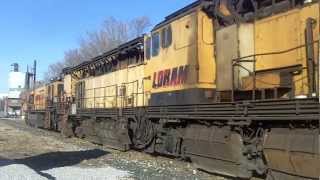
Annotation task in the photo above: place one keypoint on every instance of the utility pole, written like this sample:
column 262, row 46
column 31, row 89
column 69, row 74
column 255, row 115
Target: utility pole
column 34, row 73
column 31, row 76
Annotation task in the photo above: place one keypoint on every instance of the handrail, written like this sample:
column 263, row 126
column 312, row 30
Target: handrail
column 236, row 61
column 99, row 96
column 276, row 52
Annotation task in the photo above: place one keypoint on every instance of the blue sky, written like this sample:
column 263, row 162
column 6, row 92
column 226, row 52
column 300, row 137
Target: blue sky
column 44, row 29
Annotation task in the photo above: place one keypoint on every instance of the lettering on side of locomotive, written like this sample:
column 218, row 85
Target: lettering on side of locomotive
column 170, row 77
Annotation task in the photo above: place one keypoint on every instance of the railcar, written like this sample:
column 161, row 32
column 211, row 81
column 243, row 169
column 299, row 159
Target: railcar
column 111, row 81
column 43, row 105
column 232, row 86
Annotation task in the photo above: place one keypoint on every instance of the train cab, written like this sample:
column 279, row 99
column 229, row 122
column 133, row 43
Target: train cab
column 180, row 61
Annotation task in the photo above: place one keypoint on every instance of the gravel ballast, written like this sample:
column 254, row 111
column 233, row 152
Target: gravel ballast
column 29, row 153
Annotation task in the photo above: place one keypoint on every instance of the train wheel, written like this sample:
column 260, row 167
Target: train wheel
column 142, row 132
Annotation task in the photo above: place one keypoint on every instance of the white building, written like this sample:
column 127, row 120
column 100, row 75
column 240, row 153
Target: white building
column 16, row 86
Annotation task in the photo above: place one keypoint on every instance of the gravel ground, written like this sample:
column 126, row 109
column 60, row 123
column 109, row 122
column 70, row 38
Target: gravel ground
column 28, row 153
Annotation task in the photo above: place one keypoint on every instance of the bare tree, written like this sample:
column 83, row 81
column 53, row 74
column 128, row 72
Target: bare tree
column 54, row 71
column 94, row 44
column 72, row 58
column 116, row 31
column 139, row 25
column 112, row 33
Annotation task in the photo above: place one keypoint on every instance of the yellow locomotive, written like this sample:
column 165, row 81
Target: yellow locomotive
column 232, row 86
column 196, row 61
column 190, row 59
column 42, row 105
column 112, row 80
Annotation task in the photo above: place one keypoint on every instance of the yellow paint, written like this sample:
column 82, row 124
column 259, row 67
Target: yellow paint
column 68, row 85
column 106, row 91
column 192, row 45
column 285, row 31
column 41, row 95
column 206, row 60
column 55, row 87
column 272, row 80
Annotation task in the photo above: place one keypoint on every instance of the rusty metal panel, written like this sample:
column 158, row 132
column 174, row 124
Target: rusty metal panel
column 36, row 119
column 215, row 149
column 227, row 49
column 293, row 151
column 263, row 81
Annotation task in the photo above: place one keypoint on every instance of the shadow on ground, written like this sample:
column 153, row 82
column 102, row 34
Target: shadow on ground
column 4, row 161
column 53, row 160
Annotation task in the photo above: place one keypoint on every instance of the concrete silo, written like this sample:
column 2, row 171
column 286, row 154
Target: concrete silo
column 16, row 85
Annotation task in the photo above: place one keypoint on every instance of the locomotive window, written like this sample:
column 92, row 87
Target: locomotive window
column 148, row 48
column 166, row 39
column 155, row 44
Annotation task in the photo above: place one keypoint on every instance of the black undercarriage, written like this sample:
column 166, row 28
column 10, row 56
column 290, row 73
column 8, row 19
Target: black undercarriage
column 273, row 139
